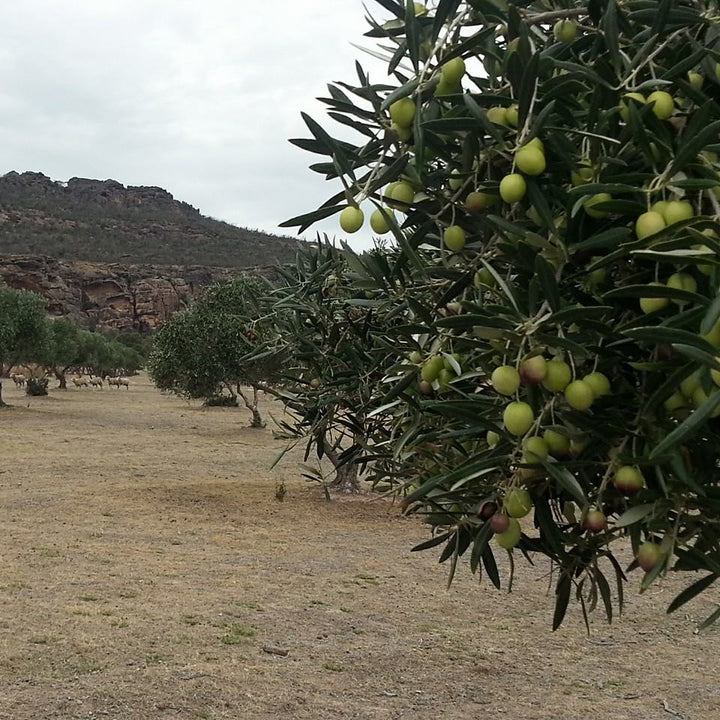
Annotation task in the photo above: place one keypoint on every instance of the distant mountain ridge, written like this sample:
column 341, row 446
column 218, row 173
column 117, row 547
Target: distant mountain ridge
column 106, row 221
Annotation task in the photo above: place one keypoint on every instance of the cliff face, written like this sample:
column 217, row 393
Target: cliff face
column 105, row 221
column 111, row 295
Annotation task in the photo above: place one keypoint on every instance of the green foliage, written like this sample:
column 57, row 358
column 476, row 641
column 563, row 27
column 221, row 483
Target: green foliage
column 102, row 356
column 141, row 343
column 101, row 221
column 213, row 345
column 64, row 346
column 23, row 331
column 333, row 337
column 28, row 336
column 561, row 273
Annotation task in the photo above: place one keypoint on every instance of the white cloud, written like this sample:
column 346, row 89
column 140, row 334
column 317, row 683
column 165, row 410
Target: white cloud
column 199, row 98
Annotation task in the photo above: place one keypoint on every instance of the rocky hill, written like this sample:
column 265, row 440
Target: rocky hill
column 105, row 221
column 112, row 295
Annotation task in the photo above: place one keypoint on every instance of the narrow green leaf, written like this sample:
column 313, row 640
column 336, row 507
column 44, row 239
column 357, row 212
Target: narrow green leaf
column 711, row 315
column 693, row 145
column 444, row 10
column 607, row 238
column 546, row 276
column 433, row 542
column 412, row 34
column 619, row 580
column 481, row 116
column 304, row 221
column 609, row 26
column 491, row 568
column 322, row 136
column 526, row 91
column 578, row 313
column 659, row 334
column 403, row 91
column 667, row 388
column 704, row 358
column 481, row 540
column 549, row 530
column 562, row 598
column 661, row 16
column 693, row 590
column 451, row 548
column 711, row 620
column 654, row 291
column 501, row 282
column 688, row 427
column 595, row 188
column 567, row 481
column 393, row 7
column 605, row 594
column 634, row 514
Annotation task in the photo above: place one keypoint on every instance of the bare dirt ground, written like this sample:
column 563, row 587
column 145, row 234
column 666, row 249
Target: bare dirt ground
column 145, row 565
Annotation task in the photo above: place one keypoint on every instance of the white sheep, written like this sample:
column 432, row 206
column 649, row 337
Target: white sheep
column 96, row 382
column 123, row 381
column 112, row 381
column 19, row 379
column 80, row 382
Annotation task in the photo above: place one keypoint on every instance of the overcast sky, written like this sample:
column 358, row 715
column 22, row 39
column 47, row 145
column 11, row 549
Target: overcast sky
column 199, row 98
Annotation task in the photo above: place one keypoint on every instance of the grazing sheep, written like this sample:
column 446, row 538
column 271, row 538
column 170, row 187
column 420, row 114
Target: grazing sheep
column 80, row 382
column 96, row 382
column 123, row 381
column 19, row 379
column 112, row 381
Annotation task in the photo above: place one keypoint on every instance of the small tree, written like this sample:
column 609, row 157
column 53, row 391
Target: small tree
column 23, row 329
column 64, row 349
column 121, row 359
column 212, row 346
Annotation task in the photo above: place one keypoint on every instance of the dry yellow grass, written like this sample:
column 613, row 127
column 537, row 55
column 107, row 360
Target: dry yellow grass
column 145, row 564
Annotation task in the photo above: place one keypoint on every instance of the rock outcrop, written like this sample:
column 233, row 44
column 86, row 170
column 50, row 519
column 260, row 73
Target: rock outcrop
column 112, row 295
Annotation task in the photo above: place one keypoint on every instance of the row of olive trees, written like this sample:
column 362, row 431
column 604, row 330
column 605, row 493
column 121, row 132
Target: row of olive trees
column 29, row 337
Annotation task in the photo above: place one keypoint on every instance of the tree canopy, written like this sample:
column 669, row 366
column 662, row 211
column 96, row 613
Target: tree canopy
column 211, row 346
column 549, row 314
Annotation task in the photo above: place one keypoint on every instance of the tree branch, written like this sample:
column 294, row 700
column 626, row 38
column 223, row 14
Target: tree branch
column 545, row 17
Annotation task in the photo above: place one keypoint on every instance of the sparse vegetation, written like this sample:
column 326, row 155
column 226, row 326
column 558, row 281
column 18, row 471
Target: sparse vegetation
column 105, row 222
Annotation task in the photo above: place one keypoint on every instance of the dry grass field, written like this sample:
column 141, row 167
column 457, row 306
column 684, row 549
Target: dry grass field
column 146, row 568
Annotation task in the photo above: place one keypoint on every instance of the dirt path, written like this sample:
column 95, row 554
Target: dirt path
column 145, row 564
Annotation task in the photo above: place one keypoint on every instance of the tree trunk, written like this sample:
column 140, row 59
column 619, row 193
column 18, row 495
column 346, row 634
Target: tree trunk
column 229, row 387
column 346, row 479
column 61, row 379
column 257, row 421
column 346, row 474
column 2, row 402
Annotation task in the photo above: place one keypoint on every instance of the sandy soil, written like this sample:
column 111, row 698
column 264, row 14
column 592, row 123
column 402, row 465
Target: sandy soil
column 146, row 568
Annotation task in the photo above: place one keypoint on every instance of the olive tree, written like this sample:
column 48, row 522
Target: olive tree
column 64, row 349
column 23, row 330
column 548, row 172
column 333, row 334
column 212, row 346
